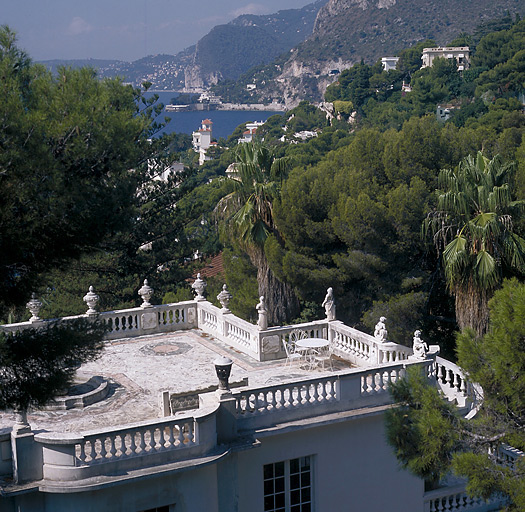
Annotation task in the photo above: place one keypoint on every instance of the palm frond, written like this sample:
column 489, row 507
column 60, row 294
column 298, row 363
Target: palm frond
column 485, row 270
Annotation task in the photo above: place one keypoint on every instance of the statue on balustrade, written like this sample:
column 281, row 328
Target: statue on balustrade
column 380, row 332
column 329, row 305
column 419, row 347
column 262, row 322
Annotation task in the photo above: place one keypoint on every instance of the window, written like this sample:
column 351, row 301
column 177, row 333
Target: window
column 288, row 486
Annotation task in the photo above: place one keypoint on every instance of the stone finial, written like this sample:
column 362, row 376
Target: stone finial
column 199, row 285
column 262, row 322
column 146, row 292
column 380, row 332
column 329, row 305
column 224, row 298
column 419, row 347
column 34, row 306
column 91, row 299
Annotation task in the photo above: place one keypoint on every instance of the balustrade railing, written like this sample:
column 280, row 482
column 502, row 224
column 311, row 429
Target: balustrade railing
column 73, row 457
column 508, row 455
column 455, row 385
column 228, row 328
column 361, row 348
column 377, row 381
column 286, row 396
column 456, row 499
column 108, row 446
column 297, row 399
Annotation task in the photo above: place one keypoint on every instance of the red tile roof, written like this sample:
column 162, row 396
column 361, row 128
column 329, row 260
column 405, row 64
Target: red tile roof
column 213, row 266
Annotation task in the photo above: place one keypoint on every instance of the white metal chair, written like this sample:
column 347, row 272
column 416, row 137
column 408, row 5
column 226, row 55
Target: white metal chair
column 322, row 357
column 291, row 354
column 296, row 335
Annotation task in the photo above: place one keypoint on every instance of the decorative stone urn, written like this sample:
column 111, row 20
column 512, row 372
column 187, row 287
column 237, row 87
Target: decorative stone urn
column 146, row 292
column 34, row 306
column 91, row 299
column 199, row 285
column 224, row 298
column 223, row 368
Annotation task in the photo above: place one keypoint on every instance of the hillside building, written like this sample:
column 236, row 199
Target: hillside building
column 250, row 132
column 202, row 140
column 154, row 429
column 389, row 63
column 460, row 53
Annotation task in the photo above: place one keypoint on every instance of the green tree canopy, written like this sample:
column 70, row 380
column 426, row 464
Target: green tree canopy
column 248, row 218
column 431, row 438
column 37, row 364
column 73, row 152
column 473, row 229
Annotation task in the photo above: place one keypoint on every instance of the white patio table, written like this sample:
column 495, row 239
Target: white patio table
column 312, row 347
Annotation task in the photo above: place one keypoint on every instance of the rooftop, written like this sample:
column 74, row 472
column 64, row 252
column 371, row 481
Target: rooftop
column 139, row 369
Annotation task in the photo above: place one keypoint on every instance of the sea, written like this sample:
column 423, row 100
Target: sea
column 224, row 121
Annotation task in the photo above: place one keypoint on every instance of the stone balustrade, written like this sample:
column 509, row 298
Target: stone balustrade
column 455, row 498
column 68, row 457
column 299, row 399
column 363, row 349
column 229, row 328
column 139, row 321
column 456, row 387
column 508, row 455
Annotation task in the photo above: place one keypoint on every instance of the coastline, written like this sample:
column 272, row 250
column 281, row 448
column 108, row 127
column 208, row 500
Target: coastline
column 229, row 107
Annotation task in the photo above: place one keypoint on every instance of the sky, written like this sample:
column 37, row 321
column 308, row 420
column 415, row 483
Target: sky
column 121, row 29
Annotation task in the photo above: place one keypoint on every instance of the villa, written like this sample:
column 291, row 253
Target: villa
column 460, row 53
column 202, row 140
column 191, row 408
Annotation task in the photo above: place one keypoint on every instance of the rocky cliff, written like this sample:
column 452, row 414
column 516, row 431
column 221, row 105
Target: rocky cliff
column 346, row 31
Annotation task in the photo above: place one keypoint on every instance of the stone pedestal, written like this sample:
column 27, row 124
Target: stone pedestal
column 26, row 456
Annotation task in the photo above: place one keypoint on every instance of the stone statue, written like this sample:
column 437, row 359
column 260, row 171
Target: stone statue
column 380, row 332
column 262, row 322
column 419, row 347
column 329, row 305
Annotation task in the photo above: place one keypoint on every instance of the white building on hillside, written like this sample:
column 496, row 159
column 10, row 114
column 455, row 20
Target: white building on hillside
column 202, row 140
column 250, row 132
column 460, row 53
column 297, row 426
column 389, row 63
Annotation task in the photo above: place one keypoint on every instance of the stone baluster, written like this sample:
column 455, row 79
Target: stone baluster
column 146, row 292
column 91, row 299
column 34, row 306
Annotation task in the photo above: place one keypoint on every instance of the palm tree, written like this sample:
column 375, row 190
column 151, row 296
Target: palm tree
column 248, row 212
column 473, row 229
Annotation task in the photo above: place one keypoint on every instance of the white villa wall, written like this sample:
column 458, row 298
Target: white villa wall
column 189, row 491
column 349, row 461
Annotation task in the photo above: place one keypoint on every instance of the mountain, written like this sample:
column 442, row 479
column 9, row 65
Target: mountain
column 225, row 53
column 347, row 31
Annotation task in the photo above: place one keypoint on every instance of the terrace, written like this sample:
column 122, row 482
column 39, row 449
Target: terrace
column 153, row 403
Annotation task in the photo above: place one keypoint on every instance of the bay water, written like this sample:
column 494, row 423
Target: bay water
column 224, row 121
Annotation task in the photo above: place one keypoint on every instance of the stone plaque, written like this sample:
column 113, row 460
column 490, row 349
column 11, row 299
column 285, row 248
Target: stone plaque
column 191, row 315
column 149, row 320
column 271, row 344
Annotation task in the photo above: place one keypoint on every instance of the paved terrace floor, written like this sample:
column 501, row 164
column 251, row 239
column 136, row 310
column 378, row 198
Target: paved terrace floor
column 139, row 369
